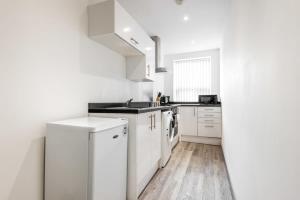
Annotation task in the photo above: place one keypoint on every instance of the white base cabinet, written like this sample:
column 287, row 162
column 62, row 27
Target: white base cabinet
column 148, row 146
column 209, row 122
column 188, row 120
column 144, row 149
column 202, row 122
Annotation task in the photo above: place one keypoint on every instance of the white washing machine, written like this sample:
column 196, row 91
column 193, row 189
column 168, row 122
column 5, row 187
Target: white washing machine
column 167, row 136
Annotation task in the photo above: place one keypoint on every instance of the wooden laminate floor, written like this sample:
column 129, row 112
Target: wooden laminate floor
column 194, row 172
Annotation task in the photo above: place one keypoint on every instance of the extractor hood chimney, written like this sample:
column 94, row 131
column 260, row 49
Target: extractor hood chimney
column 158, row 67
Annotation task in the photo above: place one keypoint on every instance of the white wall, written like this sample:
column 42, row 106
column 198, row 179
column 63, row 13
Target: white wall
column 49, row 70
column 260, row 92
column 158, row 84
column 215, row 56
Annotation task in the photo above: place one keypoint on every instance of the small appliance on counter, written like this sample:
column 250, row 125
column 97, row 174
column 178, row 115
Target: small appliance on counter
column 164, row 100
column 208, row 99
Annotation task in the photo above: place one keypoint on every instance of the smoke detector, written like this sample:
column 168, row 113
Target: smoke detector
column 179, row 2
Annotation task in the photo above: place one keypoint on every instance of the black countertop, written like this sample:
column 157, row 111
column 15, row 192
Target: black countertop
column 127, row 109
column 139, row 107
column 133, row 108
column 196, row 104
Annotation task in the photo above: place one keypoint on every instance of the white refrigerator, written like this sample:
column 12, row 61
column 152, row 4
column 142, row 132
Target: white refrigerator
column 86, row 159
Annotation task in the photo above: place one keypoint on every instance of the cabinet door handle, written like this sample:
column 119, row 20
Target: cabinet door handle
column 151, row 122
column 208, row 115
column 194, row 111
column 209, row 120
column 209, row 126
column 115, row 136
column 154, row 121
column 134, row 41
column 148, row 70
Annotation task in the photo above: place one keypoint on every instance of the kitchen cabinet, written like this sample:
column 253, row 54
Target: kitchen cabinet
column 208, row 110
column 148, row 146
column 141, row 68
column 209, row 122
column 144, row 148
column 209, row 130
column 188, row 120
column 201, row 124
column 112, row 26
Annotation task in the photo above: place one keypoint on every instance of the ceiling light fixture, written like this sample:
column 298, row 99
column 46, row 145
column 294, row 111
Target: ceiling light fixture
column 148, row 48
column 126, row 29
column 186, row 18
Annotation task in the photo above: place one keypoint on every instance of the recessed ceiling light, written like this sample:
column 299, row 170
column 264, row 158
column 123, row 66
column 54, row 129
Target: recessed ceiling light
column 126, row 29
column 148, row 48
column 186, row 18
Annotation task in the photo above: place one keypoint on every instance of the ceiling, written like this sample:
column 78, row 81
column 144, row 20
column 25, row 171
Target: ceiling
column 164, row 18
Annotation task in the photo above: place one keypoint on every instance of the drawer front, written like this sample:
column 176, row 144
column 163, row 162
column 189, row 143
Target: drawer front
column 209, row 109
column 209, row 121
column 209, row 130
column 209, row 115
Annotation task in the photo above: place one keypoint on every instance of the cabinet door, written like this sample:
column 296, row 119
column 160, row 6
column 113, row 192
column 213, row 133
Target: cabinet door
column 127, row 28
column 142, row 67
column 156, row 138
column 209, row 110
column 124, row 24
column 143, row 146
column 150, row 60
column 209, row 130
column 108, row 164
column 188, row 120
column 209, row 122
column 139, row 38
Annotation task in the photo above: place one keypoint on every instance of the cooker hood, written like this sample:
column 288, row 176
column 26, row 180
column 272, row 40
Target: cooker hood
column 158, row 67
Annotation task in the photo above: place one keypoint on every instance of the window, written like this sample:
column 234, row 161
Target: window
column 192, row 77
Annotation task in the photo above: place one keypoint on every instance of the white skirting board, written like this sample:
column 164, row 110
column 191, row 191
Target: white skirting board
column 202, row 140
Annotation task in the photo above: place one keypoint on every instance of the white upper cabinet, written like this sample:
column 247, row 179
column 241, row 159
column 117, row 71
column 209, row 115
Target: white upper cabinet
column 141, row 68
column 128, row 29
column 112, row 26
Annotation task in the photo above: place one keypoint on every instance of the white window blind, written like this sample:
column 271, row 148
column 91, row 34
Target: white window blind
column 192, row 77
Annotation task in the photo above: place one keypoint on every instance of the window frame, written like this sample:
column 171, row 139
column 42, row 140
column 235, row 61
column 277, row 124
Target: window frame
column 175, row 95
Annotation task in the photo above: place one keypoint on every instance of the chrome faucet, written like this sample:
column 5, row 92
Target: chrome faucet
column 128, row 102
